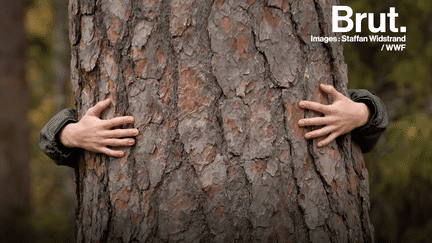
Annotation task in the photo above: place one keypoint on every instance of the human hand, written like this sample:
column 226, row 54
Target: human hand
column 93, row 134
column 339, row 118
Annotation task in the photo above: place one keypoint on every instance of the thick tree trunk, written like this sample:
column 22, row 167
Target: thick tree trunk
column 214, row 88
column 14, row 147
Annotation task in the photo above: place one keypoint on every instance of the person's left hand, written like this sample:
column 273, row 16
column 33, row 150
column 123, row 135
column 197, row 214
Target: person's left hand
column 339, row 118
column 94, row 134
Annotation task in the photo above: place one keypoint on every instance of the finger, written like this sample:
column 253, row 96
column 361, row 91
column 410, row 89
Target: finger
column 121, row 133
column 99, row 107
column 315, row 121
column 320, row 132
column 115, row 142
column 328, row 139
column 315, row 106
column 117, row 121
column 329, row 89
column 111, row 152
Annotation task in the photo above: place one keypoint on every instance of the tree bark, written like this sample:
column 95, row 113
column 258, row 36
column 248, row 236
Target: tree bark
column 14, row 146
column 214, row 89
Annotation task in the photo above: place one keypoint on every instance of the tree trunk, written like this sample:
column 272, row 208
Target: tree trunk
column 14, row 146
column 214, row 88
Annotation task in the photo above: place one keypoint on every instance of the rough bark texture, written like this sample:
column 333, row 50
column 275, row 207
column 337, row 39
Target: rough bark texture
column 214, row 88
column 14, row 147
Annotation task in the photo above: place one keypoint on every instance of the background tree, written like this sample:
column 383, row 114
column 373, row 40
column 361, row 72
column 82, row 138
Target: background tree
column 14, row 156
column 52, row 193
column 214, row 88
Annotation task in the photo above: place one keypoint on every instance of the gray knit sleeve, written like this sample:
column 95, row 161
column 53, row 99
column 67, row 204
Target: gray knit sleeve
column 49, row 141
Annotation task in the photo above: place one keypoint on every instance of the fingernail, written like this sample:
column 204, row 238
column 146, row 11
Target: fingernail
column 320, row 144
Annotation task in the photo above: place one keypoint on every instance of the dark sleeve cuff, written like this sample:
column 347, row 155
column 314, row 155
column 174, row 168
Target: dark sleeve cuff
column 49, row 141
column 368, row 135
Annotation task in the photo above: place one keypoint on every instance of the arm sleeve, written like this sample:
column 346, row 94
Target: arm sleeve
column 49, row 141
column 367, row 136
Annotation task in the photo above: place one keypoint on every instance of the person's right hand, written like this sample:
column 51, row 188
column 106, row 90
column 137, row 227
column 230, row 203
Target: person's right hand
column 93, row 134
column 341, row 117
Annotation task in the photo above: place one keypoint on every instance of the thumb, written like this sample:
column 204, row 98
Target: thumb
column 329, row 89
column 99, row 107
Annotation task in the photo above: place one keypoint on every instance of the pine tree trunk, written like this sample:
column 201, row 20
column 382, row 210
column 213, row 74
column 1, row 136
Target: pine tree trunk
column 214, row 89
column 14, row 129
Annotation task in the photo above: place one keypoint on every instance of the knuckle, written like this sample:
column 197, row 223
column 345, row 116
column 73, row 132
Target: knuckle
column 312, row 135
column 331, row 109
column 90, row 110
column 133, row 132
column 306, row 104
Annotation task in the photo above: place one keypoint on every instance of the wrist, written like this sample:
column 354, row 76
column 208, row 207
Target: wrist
column 66, row 135
column 364, row 114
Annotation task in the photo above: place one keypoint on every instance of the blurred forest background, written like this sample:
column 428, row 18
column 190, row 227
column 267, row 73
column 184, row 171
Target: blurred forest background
column 400, row 167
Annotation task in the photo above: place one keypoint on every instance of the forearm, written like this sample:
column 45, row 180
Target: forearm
column 66, row 136
column 364, row 114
